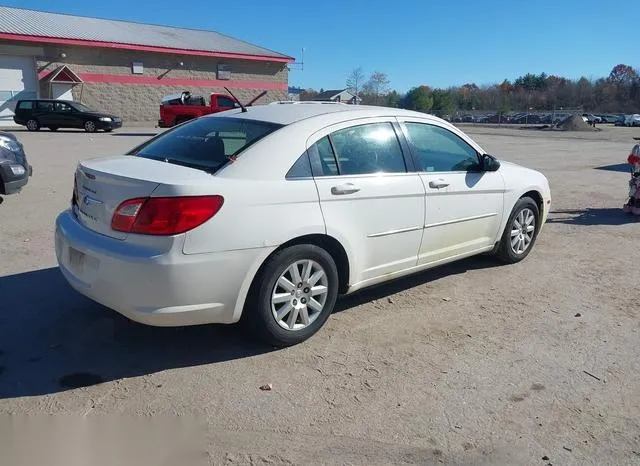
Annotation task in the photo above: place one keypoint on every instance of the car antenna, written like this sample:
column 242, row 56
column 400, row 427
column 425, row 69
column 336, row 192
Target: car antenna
column 256, row 98
column 236, row 99
column 244, row 107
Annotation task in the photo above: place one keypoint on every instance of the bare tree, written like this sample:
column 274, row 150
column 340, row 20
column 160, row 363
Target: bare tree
column 378, row 85
column 355, row 81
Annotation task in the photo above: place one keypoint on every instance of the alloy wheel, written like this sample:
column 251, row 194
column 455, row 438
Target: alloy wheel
column 299, row 295
column 523, row 230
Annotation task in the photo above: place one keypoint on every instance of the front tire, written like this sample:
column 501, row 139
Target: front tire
column 521, row 231
column 90, row 126
column 293, row 296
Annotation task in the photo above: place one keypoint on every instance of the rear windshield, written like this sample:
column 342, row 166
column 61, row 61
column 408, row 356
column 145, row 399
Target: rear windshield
column 205, row 143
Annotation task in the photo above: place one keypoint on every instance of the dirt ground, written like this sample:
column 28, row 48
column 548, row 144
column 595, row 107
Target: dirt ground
column 473, row 363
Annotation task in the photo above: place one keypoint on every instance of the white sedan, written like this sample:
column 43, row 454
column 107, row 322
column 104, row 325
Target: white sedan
column 267, row 214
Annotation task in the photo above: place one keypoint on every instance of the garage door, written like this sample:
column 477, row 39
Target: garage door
column 17, row 81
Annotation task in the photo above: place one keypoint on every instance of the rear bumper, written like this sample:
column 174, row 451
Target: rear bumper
column 149, row 286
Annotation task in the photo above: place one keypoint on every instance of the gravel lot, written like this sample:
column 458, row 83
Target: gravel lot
column 471, row 363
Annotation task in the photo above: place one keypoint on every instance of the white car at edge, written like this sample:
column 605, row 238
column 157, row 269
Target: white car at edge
column 267, row 214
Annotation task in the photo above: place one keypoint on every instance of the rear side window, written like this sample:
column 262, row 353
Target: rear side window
column 206, row 143
column 45, row 106
column 225, row 102
column 25, row 105
column 323, row 158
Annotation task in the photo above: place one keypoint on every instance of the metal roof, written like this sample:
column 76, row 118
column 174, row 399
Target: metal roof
column 48, row 26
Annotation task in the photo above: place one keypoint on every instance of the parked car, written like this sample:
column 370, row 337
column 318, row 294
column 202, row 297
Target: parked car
column 620, row 121
column 267, row 214
column 14, row 167
column 632, row 120
column 55, row 114
column 591, row 118
column 531, row 119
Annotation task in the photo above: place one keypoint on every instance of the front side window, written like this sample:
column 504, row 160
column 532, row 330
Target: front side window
column 62, row 107
column 81, row 108
column 206, row 143
column 439, row 150
column 368, row 149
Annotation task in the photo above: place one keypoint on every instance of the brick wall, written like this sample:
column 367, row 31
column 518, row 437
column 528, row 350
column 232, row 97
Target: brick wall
column 139, row 103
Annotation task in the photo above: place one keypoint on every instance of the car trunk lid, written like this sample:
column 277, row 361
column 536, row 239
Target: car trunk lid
column 101, row 185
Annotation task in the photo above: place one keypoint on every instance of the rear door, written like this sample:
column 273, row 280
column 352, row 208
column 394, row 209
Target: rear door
column 370, row 200
column 45, row 113
column 464, row 206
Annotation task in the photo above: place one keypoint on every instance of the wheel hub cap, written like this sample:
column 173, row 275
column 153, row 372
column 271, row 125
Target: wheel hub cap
column 522, row 231
column 299, row 295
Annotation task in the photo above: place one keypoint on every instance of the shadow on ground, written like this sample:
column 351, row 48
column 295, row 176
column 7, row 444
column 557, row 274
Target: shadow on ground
column 591, row 217
column 406, row 283
column 52, row 339
column 618, row 167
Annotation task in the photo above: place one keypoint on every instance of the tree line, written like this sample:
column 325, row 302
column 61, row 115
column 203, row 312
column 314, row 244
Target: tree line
column 619, row 92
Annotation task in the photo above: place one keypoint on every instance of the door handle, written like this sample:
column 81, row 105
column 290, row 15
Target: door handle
column 346, row 188
column 438, row 184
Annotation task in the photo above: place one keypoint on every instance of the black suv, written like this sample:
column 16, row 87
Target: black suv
column 14, row 168
column 54, row 114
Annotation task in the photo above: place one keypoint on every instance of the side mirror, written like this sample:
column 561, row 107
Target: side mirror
column 488, row 163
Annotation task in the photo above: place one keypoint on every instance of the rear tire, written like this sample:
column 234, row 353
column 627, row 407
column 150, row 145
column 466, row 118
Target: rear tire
column 285, row 308
column 518, row 237
column 33, row 125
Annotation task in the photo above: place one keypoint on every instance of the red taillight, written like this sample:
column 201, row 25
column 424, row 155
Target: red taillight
column 164, row 215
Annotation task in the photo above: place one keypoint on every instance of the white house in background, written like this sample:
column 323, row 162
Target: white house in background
column 338, row 95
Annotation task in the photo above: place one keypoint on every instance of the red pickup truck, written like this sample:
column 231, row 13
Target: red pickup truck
column 178, row 108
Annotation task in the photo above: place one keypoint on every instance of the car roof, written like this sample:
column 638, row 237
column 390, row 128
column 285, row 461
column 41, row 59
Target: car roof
column 286, row 113
column 48, row 100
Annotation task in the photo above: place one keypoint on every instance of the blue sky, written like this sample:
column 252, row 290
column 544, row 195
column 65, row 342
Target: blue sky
column 437, row 43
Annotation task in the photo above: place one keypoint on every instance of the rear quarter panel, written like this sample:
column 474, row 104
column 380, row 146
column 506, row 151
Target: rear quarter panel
column 255, row 214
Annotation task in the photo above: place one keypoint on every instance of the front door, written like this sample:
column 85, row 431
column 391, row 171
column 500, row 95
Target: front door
column 65, row 116
column 370, row 201
column 463, row 204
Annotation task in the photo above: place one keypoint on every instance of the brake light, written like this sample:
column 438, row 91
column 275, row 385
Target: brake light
column 165, row 215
